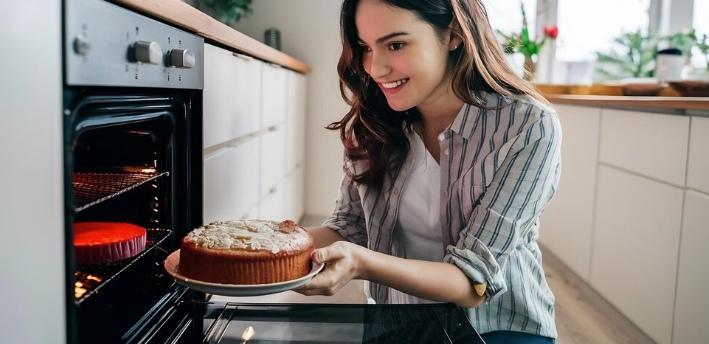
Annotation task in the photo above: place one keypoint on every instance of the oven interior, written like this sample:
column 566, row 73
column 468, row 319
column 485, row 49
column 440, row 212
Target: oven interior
column 130, row 159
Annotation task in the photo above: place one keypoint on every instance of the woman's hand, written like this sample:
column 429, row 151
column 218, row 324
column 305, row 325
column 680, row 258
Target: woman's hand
column 344, row 262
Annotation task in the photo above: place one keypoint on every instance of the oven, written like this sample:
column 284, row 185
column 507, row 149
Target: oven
column 132, row 154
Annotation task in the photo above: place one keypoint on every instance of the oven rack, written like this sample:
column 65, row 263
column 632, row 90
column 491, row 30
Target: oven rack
column 94, row 277
column 91, row 188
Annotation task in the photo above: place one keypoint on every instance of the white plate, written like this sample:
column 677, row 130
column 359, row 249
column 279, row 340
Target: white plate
column 172, row 267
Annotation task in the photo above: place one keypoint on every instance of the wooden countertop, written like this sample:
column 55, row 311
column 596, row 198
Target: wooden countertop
column 672, row 103
column 191, row 19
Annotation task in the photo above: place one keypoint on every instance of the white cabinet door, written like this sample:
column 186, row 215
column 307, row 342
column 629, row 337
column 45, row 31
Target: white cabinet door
column 566, row 224
column 698, row 173
column 272, row 205
column 294, row 194
column 246, row 96
column 635, row 248
column 273, row 95
column 232, row 95
column 653, row 145
column 231, row 180
column 692, row 304
column 295, row 121
column 273, row 144
column 219, row 89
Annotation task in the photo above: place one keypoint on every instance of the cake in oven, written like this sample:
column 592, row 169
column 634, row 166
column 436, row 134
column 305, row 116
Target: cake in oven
column 106, row 242
column 246, row 252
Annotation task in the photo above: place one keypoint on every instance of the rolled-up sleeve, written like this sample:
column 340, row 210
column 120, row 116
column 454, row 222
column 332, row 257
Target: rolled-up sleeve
column 347, row 218
column 510, row 208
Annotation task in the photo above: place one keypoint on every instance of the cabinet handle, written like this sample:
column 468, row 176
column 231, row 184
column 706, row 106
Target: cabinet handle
column 243, row 57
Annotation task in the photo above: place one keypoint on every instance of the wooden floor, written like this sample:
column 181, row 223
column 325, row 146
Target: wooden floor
column 582, row 316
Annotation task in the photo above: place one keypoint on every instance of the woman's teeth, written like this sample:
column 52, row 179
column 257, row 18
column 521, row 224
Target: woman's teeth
column 395, row 83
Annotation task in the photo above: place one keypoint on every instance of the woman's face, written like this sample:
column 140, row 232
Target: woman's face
column 402, row 53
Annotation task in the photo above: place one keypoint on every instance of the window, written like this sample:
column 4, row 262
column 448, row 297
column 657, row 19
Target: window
column 701, row 16
column 701, row 25
column 586, row 27
column 506, row 15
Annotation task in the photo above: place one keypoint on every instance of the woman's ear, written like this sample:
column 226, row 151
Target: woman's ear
column 454, row 37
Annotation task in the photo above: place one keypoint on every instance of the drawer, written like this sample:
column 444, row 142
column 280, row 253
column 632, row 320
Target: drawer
column 231, row 179
column 295, row 121
column 295, row 194
column 232, row 98
column 274, row 95
column 219, row 86
column 272, row 205
column 273, row 144
column 653, row 145
column 698, row 173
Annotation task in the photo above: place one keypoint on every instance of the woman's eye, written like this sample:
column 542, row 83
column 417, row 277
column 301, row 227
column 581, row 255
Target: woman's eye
column 365, row 49
column 396, row 46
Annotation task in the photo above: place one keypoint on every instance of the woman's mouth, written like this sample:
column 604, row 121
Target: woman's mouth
column 394, row 86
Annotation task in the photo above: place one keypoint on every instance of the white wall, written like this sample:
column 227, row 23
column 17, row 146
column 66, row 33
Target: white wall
column 31, row 178
column 310, row 32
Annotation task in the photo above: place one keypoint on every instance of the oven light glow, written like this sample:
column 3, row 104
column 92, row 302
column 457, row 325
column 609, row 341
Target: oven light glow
column 93, row 278
column 248, row 333
column 148, row 170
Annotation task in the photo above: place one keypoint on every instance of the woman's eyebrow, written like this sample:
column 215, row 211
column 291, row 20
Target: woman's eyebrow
column 385, row 37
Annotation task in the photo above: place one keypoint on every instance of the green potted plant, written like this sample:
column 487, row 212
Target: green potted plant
column 633, row 58
column 529, row 48
column 227, row 11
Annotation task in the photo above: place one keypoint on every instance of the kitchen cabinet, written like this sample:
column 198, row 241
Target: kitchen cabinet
column 232, row 95
column 272, row 157
column 635, row 247
column 692, row 304
column 566, row 224
column 295, row 194
column 650, row 144
column 230, row 190
column 273, row 203
column 254, row 138
column 698, row 166
column 274, row 93
column 295, row 121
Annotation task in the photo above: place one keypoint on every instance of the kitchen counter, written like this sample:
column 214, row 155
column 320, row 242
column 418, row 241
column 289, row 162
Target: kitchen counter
column 680, row 105
column 191, row 19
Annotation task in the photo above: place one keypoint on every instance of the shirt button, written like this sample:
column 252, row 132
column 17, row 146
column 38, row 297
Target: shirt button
column 441, row 137
column 446, row 151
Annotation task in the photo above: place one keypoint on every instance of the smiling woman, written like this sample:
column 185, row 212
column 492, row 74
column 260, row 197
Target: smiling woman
column 450, row 159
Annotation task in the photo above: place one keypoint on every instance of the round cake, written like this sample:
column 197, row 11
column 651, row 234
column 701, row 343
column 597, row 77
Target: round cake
column 105, row 242
column 246, row 252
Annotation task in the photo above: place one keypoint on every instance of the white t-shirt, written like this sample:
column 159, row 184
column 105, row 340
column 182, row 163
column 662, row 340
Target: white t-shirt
column 417, row 233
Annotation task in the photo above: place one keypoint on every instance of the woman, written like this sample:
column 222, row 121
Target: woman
column 450, row 159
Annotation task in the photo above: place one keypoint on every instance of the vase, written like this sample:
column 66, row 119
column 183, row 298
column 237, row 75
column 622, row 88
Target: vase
column 530, row 68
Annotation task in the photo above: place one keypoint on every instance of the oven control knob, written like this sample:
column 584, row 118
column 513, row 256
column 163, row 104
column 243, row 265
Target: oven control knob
column 81, row 45
column 181, row 58
column 147, row 52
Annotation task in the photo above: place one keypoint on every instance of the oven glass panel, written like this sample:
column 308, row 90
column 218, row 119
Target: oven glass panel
column 322, row 323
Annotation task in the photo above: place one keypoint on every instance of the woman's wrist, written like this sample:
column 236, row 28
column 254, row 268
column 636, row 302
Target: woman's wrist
column 362, row 258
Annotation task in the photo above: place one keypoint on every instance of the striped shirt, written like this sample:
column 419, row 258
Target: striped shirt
column 500, row 166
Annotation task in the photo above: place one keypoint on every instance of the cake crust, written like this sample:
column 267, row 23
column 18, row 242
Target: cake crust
column 246, row 252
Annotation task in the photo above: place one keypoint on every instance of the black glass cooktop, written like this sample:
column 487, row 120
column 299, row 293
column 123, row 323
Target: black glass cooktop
column 229, row 323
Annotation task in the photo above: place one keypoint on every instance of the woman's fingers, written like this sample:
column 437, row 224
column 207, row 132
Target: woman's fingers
column 328, row 253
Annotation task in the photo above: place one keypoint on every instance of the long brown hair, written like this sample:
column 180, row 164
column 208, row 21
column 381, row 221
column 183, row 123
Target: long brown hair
column 371, row 130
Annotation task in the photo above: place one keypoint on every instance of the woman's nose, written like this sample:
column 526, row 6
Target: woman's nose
column 378, row 66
